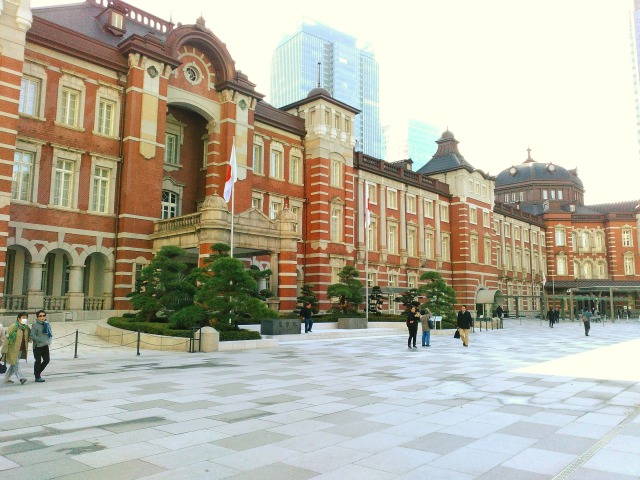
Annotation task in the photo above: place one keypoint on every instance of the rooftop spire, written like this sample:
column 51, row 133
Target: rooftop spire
column 319, row 74
column 529, row 159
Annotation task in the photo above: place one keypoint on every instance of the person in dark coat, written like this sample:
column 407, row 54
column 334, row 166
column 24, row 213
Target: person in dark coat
column 464, row 324
column 551, row 316
column 413, row 317
column 305, row 316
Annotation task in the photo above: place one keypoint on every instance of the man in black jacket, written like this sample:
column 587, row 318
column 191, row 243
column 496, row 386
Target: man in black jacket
column 464, row 324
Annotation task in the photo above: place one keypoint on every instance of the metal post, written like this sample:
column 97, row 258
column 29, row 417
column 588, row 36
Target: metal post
column 138, row 342
column 75, row 353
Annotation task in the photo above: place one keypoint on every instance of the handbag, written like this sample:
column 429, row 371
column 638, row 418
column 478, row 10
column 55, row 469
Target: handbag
column 457, row 334
column 3, row 365
column 432, row 324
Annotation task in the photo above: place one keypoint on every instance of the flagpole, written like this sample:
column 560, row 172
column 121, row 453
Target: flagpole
column 366, row 250
column 233, row 200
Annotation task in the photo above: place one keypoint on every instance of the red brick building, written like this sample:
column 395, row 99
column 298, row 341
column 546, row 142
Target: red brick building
column 117, row 130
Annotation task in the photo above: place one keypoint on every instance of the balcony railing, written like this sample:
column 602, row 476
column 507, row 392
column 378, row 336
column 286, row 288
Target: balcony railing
column 177, row 223
column 54, row 303
column 15, row 302
column 93, row 303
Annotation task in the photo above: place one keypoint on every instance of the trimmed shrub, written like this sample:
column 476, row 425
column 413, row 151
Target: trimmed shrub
column 188, row 317
column 228, row 336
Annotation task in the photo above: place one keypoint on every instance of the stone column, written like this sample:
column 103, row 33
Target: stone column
column 75, row 293
column 35, row 295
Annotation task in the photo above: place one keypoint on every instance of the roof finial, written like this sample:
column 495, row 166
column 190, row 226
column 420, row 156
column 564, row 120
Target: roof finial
column 319, row 74
column 529, row 159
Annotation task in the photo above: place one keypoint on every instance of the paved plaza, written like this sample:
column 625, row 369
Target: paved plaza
column 527, row 402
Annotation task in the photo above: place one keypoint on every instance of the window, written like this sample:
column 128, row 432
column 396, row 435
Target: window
column 516, row 233
column 312, row 117
column 256, row 202
column 22, row 179
column 560, row 237
column 506, row 198
column 428, row 208
column 629, row 267
column 545, row 195
column 518, row 260
column 527, row 261
column 411, row 204
column 484, row 190
column 507, row 230
column 297, row 211
column 117, row 20
column 63, row 183
column 534, row 238
column 474, row 249
column 534, row 265
column 627, row 238
column 336, row 224
column 599, row 241
column 274, row 209
column 486, row 219
column 336, row 121
column 600, row 270
column 169, row 204
column 394, row 280
column 372, row 279
column 336, row 173
column 276, row 166
column 372, row 193
column 525, row 235
column 392, row 198
column 487, row 251
column 411, row 242
column 30, row 96
column 559, row 194
column 171, row 155
column 473, row 215
column 561, row 265
column 70, row 106
column 258, row 157
column 584, row 240
column 347, row 126
column 522, row 196
column 100, row 190
column 107, row 119
column 444, row 213
column 587, row 270
column 513, row 197
column 392, row 238
column 295, row 169
column 373, row 235
column 507, row 258
column 498, row 257
column 446, row 247
column 428, row 244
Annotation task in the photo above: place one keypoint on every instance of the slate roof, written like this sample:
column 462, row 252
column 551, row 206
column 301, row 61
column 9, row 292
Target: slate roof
column 81, row 18
column 531, row 171
column 617, row 207
column 447, row 158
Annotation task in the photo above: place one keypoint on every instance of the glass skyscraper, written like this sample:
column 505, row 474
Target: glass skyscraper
column 412, row 139
column 349, row 72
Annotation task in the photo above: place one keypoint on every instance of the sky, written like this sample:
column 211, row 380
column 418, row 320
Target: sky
column 502, row 75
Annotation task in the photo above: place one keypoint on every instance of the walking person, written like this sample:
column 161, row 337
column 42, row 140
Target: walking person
column 41, row 336
column 551, row 317
column 556, row 315
column 15, row 347
column 305, row 314
column 412, row 324
column 586, row 320
column 425, row 319
column 464, row 324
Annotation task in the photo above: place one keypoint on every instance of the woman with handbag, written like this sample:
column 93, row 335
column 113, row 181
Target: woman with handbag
column 15, row 347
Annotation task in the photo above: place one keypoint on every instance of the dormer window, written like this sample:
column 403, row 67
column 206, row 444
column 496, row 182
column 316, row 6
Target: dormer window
column 117, row 20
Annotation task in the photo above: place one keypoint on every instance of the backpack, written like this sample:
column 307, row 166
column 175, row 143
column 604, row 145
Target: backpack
column 431, row 323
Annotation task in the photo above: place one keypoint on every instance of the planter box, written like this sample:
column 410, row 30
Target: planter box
column 352, row 323
column 276, row 326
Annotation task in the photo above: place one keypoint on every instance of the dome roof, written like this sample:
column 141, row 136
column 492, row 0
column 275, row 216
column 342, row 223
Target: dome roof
column 531, row 171
column 319, row 91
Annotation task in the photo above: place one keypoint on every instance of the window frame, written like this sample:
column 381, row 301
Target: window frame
column 258, row 156
column 107, row 96
column 71, row 84
column 75, row 159
column 111, row 165
column 276, row 162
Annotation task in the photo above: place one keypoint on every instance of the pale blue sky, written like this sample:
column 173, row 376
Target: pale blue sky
column 501, row 74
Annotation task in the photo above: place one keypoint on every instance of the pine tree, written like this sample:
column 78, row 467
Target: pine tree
column 440, row 297
column 348, row 291
column 307, row 296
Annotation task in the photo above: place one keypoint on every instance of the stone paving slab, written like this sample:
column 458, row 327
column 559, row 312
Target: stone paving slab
column 524, row 402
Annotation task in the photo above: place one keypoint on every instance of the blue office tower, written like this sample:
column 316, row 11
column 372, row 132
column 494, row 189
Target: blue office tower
column 348, row 70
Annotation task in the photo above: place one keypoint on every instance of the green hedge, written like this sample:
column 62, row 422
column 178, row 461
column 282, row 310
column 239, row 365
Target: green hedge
column 169, row 330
